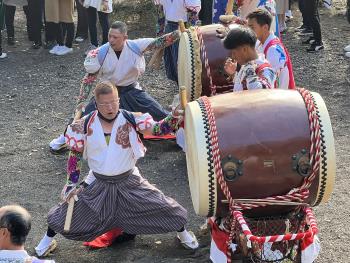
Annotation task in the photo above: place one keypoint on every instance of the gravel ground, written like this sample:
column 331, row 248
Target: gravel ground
column 37, row 92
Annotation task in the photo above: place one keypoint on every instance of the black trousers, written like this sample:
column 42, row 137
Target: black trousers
column 0, row 41
column 348, row 10
column 67, row 34
column 82, row 26
column 306, row 19
column 9, row 20
column 311, row 11
column 35, row 20
column 92, row 19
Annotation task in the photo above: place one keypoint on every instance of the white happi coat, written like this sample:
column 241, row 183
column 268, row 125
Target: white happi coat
column 277, row 57
column 174, row 10
column 123, row 150
column 121, row 71
column 247, row 77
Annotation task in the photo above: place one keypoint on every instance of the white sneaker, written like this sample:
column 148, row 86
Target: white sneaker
column 91, row 47
column 57, row 143
column 289, row 14
column 79, row 39
column 3, row 55
column 347, row 54
column 43, row 251
column 54, row 49
column 188, row 239
column 64, row 50
column 347, row 48
column 327, row 4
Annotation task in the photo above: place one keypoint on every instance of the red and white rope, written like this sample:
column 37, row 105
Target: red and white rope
column 206, row 62
column 313, row 230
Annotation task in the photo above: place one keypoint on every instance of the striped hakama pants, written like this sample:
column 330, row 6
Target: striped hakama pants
column 125, row 201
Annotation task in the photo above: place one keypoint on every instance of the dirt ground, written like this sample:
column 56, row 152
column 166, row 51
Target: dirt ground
column 37, row 92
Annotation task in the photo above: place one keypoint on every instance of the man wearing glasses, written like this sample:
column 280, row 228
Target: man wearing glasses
column 115, row 195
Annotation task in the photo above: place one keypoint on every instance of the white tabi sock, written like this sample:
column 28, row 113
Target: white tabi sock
column 185, row 236
column 57, row 142
column 43, row 245
column 188, row 239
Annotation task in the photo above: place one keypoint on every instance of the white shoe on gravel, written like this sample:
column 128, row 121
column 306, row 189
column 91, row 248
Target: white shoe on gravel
column 64, row 50
column 3, row 55
column 54, row 49
column 347, row 54
column 45, row 251
column 57, row 143
column 79, row 39
column 189, row 241
column 347, row 48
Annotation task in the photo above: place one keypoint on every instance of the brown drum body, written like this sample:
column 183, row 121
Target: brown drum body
column 201, row 62
column 263, row 136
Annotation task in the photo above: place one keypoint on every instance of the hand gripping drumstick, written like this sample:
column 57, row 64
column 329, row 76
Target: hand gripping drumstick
column 183, row 97
column 69, row 214
column 182, row 27
column 156, row 59
column 229, row 7
column 77, row 115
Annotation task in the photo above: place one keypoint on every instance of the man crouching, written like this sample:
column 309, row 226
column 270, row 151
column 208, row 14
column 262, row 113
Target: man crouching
column 118, row 197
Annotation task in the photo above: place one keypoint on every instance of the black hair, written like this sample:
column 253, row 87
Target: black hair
column 121, row 26
column 261, row 16
column 239, row 36
column 18, row 222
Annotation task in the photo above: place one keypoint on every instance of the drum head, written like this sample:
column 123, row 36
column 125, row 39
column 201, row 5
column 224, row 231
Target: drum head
column 327, row 162
column 201, row 174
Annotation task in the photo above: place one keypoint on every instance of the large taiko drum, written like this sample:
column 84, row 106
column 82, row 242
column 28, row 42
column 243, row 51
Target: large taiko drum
column 263, row 148
column 201, row 62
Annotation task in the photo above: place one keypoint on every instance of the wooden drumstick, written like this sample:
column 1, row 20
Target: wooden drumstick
column 69, row 215
column 229, row 7
column 227, row 18
column 156, row 59
column 183, row 97
column 182, row 27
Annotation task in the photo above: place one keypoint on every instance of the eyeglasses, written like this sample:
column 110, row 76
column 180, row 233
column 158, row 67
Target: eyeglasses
column 105, row 105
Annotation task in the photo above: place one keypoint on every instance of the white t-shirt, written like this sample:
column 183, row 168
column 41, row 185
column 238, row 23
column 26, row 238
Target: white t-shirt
column 175, row 10
column 278, row 59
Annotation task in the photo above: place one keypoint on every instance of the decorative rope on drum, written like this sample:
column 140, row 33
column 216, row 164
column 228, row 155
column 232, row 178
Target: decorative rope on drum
column 203, row 49
column 310, row 218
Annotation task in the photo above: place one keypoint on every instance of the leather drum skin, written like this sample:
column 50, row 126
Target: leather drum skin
column 264, row 137
column 201, row 62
